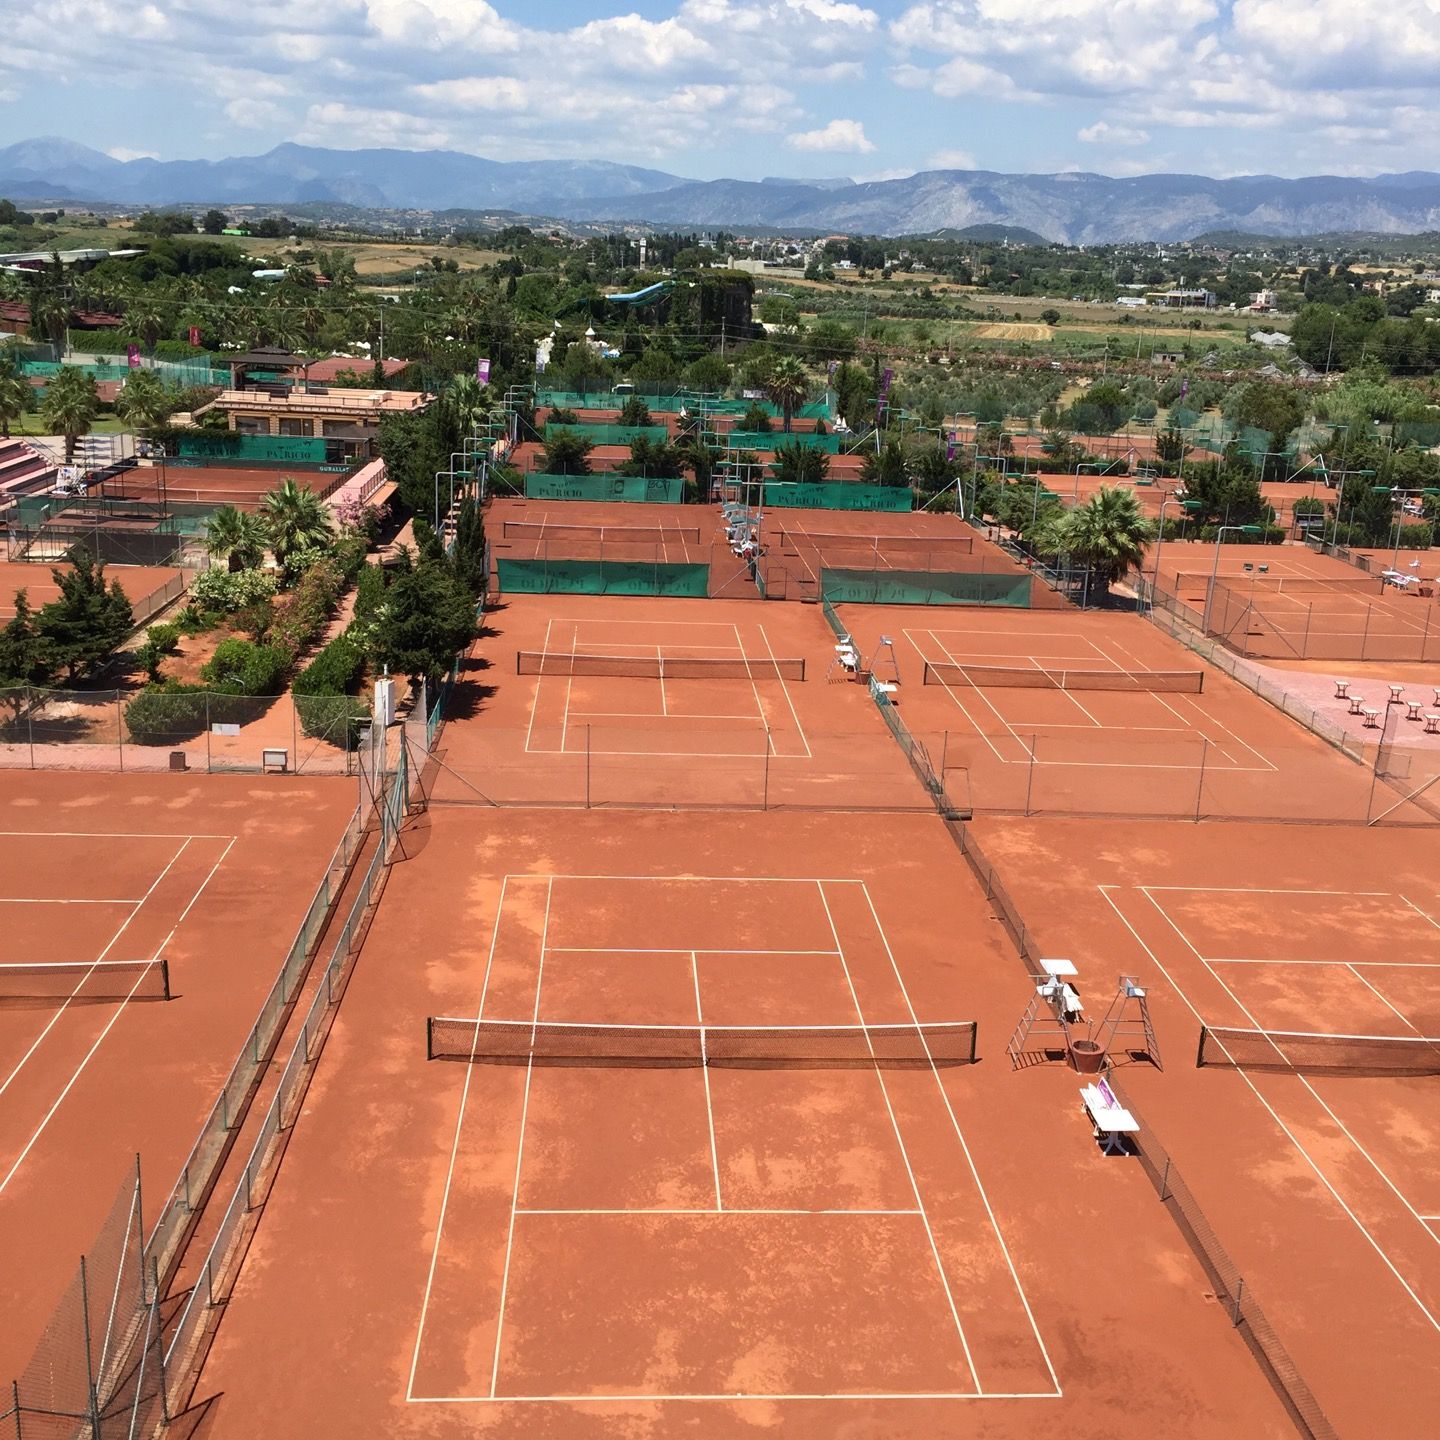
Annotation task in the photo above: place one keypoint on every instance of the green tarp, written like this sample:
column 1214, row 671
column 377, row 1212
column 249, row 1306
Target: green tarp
column 637, row 489
column 602, row 577
column 924, row 587
column 839, row 495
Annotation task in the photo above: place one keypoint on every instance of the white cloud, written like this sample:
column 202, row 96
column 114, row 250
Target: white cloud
column 1104, row 133
column 951, row 160
column 120, row 152
column 839, row 136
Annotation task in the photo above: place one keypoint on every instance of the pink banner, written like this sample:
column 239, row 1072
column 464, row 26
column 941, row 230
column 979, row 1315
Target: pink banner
column 132, row 356
column 195, row 336
column 482, row 371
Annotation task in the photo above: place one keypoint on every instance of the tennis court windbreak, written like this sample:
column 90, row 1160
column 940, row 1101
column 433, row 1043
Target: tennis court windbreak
column 603, row 577
column 1023, row 677
column 634, row 489
column 798, row 1046
column 838, row 495
column 79, row 981
column 1317, row 1053
column 660, row 667
column 925, row 587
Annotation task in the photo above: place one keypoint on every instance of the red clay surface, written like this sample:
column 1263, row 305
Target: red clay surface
column 1322, row 1187
column 213, row 875
column 1221, row 753
column 737, row 742
column 139, row 583
column 236, row 485
column 1291, row 610
column 601, row 1251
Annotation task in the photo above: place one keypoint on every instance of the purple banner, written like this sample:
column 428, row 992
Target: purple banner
column 886, row 376
column 830, row 373
column 132, row 356
column 950, row 443
column 482, row 371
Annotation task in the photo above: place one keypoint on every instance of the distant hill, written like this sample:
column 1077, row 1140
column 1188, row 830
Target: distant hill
column 1071, row 208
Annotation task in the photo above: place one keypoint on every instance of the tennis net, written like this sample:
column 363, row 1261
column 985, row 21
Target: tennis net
column 882, row 544
column 653, row 534
column 958, row 675
column 799, row 1046
column 1280, row 584
column 96, row 981
column 660, row 667
column 1299, row 1050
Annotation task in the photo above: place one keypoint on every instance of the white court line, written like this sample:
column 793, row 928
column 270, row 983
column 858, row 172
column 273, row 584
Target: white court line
column 705, row 1072
column 960, row 705
column 1268, row 890
column 904, row 1154
column 33, row 900
column 651, row 715
column 1352, row 964
column 1424, row 914
column 964, row 1146
column 109, row 835
column 520, row 1142
column 708, row 1212
column 730, row 1397
column 1384, row 1000
column 535, row 700
column 1320, row 1174
column 1303, row 1079
column 670, row 950
column 119, row 1009
column 789, row 700
column 114, row 939
column 455, row 1147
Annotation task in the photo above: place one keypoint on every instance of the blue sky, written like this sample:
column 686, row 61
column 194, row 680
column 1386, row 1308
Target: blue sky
column 745, row 88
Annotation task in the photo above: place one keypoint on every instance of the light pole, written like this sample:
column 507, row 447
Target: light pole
column 1190, row 507
column 1215, row 568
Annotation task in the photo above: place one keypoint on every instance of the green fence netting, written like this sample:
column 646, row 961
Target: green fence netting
column 923, row 587
column 603, row 577
column 609, row 434
column 669, row 403
column 637, row 489
column 839, row 495
column 770, row 439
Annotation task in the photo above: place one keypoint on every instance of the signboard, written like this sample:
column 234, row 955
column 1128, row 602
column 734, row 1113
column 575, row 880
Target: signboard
column 132, row 356
column 482, row 371
column 840, row 495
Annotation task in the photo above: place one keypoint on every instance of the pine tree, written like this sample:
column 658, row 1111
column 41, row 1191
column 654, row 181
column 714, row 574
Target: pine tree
column 89, row 620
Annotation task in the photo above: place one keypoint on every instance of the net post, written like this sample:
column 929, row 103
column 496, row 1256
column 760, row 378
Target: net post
column 209, row 767
column 1200, row 1048
column 1030, row 777
column 587, row 767
column 429, row 1037
column 1200, row 779
column 1365, row 631
column 91, row 1392
column 166, row 994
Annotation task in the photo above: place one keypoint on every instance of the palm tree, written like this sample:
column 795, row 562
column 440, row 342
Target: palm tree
column 70, row 406
column 1107, row 535
column 144, row 403
column 467, row 400
column 16, row 396
column 236, row 536
column 296, row 519
column 49, row 316
column 787, row 387
column 146, row 321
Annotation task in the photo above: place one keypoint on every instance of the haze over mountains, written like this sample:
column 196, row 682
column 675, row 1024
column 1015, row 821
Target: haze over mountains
column 1075, row 208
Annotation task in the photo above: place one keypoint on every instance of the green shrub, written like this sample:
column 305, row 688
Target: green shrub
column 166, row 714
column 300, row 614
column 240, row 667
column 334, row 671
column 369, row 592
column 165, row 637
column 218, row 590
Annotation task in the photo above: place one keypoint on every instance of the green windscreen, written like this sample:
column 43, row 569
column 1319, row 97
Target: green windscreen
column 923, row 587
column 603, row 577
column 639, row 489
column 839, row 495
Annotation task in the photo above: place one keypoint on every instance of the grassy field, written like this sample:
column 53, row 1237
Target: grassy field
column 35, row 425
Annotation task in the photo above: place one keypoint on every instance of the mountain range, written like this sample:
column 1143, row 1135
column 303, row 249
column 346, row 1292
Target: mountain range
column 1070, row 207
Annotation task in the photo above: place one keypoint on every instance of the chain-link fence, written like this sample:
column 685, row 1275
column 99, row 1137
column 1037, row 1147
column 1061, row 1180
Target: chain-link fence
column 98, row 1371
column 155, row 730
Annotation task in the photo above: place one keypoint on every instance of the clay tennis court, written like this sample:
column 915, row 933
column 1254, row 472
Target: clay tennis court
column 1298, row 604
column 1098, row 714
column 110, row 883
column 238, row 485
column 141, row 583
column 813, row 1248
column 778, row 726
column 1311, row 1156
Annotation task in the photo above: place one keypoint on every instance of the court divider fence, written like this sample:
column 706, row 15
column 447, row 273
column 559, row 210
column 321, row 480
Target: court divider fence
column 214, row 1276
column 98, row 1370
column 1236, row 1298
column 208, row 731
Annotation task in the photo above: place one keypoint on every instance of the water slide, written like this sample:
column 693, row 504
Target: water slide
column 640, row 297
